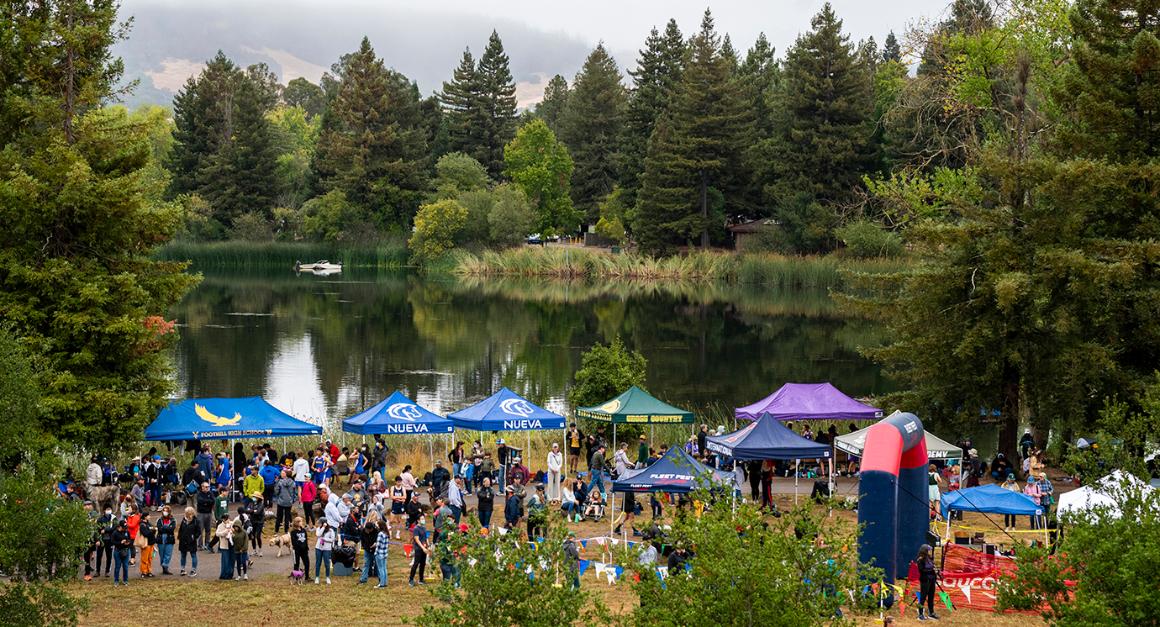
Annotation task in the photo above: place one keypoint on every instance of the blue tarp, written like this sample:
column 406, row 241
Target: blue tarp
column 506, row 411
column 397, row 415
column 676, row 472
column 225, row 419
column 991, row 499
column 766, row 438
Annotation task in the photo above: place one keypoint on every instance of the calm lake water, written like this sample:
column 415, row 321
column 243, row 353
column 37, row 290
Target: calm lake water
column 323, row 348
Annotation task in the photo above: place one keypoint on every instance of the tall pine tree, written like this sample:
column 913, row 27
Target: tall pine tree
column 592, row 128
column 654, row 82
column 551, row 108
column 463, row 114
column 372, row 145
column 498, row 103
column 79, row 288
column 826, row 147
column 223, row 145
column 760, row 76
column 709, row 117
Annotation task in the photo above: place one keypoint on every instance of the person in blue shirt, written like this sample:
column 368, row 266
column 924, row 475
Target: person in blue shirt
column 270, row 472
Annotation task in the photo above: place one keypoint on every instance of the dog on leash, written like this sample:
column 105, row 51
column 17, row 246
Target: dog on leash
column 282, row 541
column 297, row 577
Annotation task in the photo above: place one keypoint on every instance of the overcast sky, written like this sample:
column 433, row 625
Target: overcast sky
column 423, row 38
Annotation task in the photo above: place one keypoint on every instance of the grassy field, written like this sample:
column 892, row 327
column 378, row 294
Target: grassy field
column 749, row 269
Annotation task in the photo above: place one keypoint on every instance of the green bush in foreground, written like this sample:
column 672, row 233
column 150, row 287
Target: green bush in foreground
column 748, row 570
column 1114, row 559
column 495, row 587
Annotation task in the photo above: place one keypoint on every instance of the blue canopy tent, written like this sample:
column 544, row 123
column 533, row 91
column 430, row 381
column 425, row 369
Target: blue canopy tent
column 507, row 411
column 677, row 472
column 989, row 499
column 225, row 419
column 399, row 415
column 767, row 438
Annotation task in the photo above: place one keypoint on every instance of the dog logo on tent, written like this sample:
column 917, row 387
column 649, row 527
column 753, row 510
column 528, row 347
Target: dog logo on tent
column 517, row 407
column 216, row 421
column 404, row 411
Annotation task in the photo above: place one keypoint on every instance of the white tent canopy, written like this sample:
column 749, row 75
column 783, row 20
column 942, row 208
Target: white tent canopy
column 936, row 447
column 1108, row 493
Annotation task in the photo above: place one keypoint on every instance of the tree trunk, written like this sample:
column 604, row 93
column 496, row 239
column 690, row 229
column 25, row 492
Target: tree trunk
column 704, row 210
column 1009, row 427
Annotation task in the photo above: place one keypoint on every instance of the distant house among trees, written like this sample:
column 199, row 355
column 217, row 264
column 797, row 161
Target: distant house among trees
column 747, row 234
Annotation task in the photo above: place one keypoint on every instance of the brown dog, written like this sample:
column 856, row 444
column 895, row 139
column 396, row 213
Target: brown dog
column 280, row 542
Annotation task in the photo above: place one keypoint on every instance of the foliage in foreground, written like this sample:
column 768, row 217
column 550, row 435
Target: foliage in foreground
column 497, row 589
column 1113, row 558
column 747, row 570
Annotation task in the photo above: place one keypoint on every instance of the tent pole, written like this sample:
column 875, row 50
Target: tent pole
column 431, row 449
column 528, row 453
column 796, row 462
column 614, row 436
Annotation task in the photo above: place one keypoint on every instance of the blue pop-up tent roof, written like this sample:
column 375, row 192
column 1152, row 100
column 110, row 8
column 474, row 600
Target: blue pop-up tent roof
column 991, row 499
column 766, row 438
column 225, row 419
column 676, row 472
column 506, row 411
column 397, row 415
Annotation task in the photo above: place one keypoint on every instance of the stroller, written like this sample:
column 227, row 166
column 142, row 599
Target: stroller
column 594, row 506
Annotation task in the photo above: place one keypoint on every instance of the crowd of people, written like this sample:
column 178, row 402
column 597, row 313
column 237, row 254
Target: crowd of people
column 150, row 509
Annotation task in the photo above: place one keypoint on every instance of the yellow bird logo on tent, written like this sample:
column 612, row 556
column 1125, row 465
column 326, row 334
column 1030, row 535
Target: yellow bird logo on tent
column 217, row 421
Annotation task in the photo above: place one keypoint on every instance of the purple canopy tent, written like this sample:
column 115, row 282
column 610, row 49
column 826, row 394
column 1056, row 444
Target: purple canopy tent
column 809, row 401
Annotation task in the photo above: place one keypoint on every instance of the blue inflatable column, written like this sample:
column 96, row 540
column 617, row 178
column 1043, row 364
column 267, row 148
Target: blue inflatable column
column 885, row 493
column 913, row 506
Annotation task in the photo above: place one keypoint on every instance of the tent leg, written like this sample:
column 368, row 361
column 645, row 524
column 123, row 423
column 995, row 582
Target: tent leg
column 528, row 453
column 614, row 438
column 796, row 462
column 431, row 449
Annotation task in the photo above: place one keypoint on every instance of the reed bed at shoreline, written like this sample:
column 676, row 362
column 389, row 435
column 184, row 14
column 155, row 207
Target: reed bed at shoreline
column 388, row 253
column 767, row 269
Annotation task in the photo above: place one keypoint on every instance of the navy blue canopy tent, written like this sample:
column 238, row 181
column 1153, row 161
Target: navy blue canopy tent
column 676, row 472
column 506, row 411
column 397, row 415
column 766, row 438
column 225, row 419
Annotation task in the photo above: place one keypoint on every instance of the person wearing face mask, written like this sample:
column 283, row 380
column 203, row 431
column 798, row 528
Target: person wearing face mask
column 107, row 526
column 188, row 535
column 166, row 537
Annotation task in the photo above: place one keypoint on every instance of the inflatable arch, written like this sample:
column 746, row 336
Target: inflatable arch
column 892, row 496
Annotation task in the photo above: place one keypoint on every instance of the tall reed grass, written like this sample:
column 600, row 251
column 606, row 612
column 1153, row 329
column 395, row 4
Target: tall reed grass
column 389, row 253
column 765, row 269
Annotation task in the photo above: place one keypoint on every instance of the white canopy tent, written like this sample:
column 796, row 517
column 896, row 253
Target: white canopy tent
column 1108, row 493
column 936, row 447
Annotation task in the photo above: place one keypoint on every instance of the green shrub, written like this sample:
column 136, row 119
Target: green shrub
column 252, row 227
column 865, row 239
column 511, row 218
column 436, row 226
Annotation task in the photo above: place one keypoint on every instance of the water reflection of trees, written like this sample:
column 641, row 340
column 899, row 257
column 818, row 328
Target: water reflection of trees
column 458, row 340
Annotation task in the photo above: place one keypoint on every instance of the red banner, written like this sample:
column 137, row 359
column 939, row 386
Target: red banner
column 969, row 578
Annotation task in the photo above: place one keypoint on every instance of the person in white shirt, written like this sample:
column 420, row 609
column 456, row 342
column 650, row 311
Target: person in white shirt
column 301, row 470
column 325, row 538
column 93, row 473
column 555, row 467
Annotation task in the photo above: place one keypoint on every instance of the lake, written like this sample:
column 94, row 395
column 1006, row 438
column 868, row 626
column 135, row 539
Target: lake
column 323, row 348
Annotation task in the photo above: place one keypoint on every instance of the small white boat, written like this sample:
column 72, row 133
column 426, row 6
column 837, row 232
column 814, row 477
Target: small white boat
column 318, row 266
